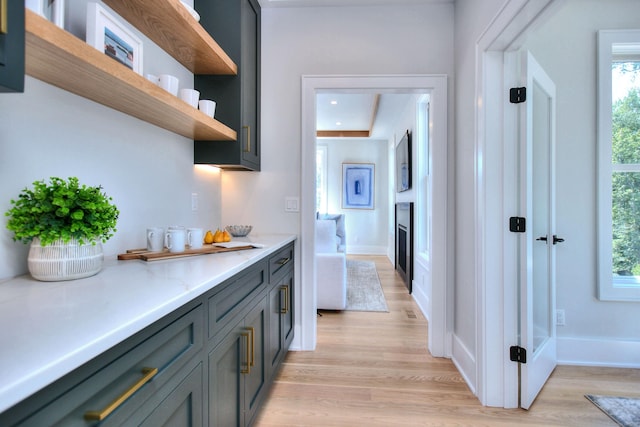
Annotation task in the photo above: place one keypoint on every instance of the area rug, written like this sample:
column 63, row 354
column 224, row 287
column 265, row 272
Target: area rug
column 623, row 410
column 364, row 292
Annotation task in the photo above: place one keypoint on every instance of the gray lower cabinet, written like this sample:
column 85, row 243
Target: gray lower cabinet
column 237, row 374
column 125, row 385
column 210, row 362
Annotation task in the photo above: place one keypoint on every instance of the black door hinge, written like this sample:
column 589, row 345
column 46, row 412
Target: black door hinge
column 517, row 95
column 518, row 354
column 517, row 224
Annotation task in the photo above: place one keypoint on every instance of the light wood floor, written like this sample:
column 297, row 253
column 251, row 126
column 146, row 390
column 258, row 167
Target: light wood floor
column 373, row 369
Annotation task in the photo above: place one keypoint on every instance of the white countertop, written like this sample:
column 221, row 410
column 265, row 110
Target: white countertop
column 47, row 329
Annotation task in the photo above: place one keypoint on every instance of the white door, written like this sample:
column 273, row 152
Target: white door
column 537, row 245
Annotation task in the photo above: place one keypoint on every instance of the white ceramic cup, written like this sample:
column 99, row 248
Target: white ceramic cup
column 195, row 237
column 155, row 239
column 190, row 96
column 153, row 79
column 169, row 83
column 208, row 107
column 175, row 240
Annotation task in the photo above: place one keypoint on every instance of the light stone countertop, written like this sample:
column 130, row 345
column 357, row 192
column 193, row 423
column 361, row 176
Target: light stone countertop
column 48, row 329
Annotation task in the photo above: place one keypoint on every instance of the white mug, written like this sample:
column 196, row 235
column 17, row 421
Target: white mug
column 208, row 107
column 169, row 83
column 195, row 237
column 155, row 239
column 190, row 96
column 175, row 240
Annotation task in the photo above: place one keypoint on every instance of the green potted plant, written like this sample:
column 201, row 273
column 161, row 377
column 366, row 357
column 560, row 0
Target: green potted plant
column 66, row 224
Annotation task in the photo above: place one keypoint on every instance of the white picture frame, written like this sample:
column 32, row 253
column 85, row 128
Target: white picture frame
column 110, row 36
column 53, row 10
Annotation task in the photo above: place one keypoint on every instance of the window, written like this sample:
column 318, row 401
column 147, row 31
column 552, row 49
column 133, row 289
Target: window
column 422, row 140
column 619, row 165
column 321, row 179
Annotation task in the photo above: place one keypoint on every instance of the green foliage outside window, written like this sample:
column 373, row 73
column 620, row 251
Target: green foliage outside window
column 626, row 185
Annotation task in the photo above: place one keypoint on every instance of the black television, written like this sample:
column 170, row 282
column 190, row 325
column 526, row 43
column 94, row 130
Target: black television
column 403, row 163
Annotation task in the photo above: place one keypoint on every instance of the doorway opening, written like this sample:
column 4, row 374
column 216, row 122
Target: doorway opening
column 435, row 302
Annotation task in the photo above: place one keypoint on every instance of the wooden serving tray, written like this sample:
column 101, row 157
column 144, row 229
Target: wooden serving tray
column 146, row 255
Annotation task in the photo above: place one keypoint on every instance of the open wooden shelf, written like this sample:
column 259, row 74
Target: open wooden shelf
column 61, row 59
column 172, row 27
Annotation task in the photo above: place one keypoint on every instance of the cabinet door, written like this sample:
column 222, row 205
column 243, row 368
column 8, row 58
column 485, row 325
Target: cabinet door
column 182, row 407
column 250, row 83
column 227, row 363
column 11, row 46
column 255, row 379
column 280, row 321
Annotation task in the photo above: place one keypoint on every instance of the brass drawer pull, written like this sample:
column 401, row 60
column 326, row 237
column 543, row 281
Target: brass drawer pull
column 285, row 309
column 247, row 370
column 101, row 415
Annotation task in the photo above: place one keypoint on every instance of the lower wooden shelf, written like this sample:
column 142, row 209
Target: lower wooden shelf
column 61, row 59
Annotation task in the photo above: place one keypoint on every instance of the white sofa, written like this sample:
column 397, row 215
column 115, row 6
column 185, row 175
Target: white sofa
column 331, row 267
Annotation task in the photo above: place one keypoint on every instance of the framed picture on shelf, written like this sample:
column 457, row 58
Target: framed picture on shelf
column 358, row 180
column 53, row 10
column 109, row 35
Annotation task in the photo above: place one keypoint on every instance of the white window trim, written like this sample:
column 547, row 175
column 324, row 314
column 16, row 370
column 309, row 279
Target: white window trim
column 625, row 289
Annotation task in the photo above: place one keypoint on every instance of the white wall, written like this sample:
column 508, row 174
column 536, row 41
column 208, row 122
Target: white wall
column 366, row 228
column 412, row 39
column 148, row 171
column 472, row 17
column 590, row 324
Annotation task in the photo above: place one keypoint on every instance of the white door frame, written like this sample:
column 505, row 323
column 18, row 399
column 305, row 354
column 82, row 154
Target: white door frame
column 441, row 301
column 496, row 177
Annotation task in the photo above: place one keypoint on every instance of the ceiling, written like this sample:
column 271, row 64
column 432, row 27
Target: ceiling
column 369, row 114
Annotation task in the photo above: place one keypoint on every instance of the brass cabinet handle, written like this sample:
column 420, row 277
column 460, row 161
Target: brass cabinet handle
column 248, row 146
column 3, row 17
column 253, row 345
column 283, row 261
column 285, row 309
column 246, row 370
column 101, row 415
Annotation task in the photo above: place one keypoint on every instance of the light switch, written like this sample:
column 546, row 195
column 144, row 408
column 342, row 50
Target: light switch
column 291, row 204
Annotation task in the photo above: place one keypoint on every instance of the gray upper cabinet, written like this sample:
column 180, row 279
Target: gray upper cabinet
column 235, row 25
column 12, row 46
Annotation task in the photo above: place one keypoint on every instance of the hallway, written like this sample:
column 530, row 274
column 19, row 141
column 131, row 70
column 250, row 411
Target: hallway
column 373, row 369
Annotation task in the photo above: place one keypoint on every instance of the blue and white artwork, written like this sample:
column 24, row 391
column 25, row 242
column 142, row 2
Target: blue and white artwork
column 358, row 185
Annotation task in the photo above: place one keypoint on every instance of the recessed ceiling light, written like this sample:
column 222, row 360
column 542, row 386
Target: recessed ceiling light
column 338, row 123
column 334, row 102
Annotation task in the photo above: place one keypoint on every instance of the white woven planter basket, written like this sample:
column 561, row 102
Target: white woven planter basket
column 64, row 261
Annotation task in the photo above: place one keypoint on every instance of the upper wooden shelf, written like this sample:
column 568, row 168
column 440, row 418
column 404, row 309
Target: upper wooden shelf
column 171, row 26
column 61, row 59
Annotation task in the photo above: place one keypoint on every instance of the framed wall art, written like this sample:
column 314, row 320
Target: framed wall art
column 107, row 34
column 358, row 181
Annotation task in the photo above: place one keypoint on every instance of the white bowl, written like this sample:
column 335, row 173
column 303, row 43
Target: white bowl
column 191, row 10
column 239, row 230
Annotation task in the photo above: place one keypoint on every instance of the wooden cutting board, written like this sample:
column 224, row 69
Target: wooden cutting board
column 146, row 255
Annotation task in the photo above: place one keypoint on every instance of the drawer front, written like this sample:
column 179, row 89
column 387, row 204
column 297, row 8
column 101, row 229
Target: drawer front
column 118, row 387
column 280, row 262
column 233, row 296
column 181, row 405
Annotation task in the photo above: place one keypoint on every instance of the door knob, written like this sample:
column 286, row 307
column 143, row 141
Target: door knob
column 542, row 239
column 557, row 239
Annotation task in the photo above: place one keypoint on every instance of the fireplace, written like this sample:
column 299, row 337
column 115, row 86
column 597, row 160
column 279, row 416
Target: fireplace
column 404, row 242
